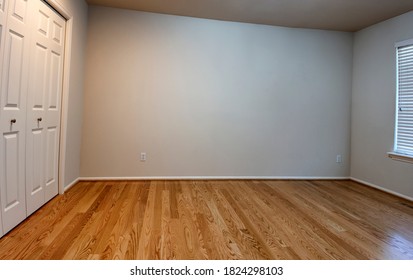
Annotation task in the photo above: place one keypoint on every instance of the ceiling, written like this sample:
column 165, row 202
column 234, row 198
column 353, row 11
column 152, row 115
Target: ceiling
column 341, row 15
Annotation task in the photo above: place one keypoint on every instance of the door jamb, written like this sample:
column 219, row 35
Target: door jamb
column 65, row 90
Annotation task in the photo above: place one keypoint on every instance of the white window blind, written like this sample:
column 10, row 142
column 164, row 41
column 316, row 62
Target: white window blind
column 404, row 116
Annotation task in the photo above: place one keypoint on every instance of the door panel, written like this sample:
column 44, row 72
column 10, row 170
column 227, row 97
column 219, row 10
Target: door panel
column 51, row 163
column 43, row 23
column 13, row 92
column 43, row 116
column 19, row 10
column 35, row 143
column 11, row 152
column 14, row 70
column 13, row 202
column 40, row 76
column 58, row 32
column 55, row 81
column 34, row 175
column 37, row 160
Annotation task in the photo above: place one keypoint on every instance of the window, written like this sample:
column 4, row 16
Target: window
column 403, row 144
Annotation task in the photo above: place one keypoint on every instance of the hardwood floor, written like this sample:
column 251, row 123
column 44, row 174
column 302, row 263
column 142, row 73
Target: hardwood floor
column 216, row 220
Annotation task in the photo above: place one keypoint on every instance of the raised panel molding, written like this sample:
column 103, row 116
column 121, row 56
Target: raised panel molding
column 20, row 10
column 14, row 69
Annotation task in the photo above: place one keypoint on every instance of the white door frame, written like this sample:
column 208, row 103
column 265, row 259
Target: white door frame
column 66, row 88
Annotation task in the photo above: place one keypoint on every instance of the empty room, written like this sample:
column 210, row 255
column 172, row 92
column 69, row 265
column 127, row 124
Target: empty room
column 206, row 130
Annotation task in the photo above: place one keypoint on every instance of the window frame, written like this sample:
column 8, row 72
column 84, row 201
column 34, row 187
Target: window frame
column 397, row 154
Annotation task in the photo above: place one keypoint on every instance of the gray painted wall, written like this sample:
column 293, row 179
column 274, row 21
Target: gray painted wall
column 373, row 106
column 213, row 98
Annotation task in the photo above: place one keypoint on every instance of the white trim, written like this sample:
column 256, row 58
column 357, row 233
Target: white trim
column 400, row 157
column 396, row 100
column 404, row 43
column 65, row 104
column 71, row 184
column 209, row 178
column 234, row 178
column 66, row 89
column 382, row 189
column 401, row 149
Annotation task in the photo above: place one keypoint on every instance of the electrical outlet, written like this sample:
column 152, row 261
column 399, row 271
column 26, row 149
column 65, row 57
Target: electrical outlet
column 143, row 156
column 339, row 159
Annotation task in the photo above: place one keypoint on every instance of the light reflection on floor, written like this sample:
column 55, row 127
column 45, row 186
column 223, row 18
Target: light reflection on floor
column 398, row 242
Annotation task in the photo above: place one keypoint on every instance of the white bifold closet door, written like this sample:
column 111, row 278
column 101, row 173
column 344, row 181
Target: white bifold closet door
column 14, row 81
column 43, row 106
column 31, row 61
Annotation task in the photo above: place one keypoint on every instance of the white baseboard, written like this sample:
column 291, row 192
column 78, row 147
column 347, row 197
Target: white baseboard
column 234, row 178
column 210, row 178
column 382, row 189
column 71, row 184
